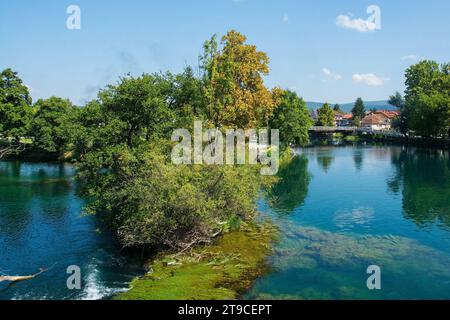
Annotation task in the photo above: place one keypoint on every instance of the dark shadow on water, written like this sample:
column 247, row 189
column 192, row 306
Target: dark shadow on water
column 358, row 159
column 325, row 161
column 422, row 177
column 291, row 190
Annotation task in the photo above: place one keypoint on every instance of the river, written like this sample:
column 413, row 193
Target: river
column 339, row 210
column 42, row 225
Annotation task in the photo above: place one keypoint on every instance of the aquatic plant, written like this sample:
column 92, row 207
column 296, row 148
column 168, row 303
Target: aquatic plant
column 223, row 270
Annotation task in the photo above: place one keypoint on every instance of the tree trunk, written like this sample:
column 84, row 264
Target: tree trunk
column 21, row 278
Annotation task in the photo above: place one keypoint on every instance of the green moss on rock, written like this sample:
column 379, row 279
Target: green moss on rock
column 223, row 270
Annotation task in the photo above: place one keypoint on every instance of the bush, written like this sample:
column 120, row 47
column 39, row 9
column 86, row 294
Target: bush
column 151, row 202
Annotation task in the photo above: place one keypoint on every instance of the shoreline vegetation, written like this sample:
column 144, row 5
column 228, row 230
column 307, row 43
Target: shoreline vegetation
column 337, row 139
column 223, row 270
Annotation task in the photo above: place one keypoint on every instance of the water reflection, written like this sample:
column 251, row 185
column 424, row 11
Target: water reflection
column 422, row 177
column 358, row 159
column 350, row 220
column 292, row 188
column 325, row 161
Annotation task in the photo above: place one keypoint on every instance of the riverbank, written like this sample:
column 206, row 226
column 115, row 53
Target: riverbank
column 223, row 270
column 380, row 138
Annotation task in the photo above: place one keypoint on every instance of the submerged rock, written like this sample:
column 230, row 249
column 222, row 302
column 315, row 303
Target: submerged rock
column 318, row 264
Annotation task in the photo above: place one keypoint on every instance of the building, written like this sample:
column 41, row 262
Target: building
column 344, row 120
column 380, row 120
column 390, row 114
column 376, row 122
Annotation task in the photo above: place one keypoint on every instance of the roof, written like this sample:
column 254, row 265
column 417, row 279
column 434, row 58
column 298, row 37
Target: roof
column 347, row 116
column 390, row 114
column 373, row 119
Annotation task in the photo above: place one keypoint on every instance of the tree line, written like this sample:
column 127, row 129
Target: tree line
column 425, row 106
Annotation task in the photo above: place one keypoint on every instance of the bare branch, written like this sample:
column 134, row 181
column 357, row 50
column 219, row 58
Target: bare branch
column 11, row 148
column 22, row 278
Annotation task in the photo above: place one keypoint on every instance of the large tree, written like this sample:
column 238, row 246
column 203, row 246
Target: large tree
column 292, row 118
column 140, row 104
column 15, row 106
column 234, row 89
column 428, row 98
column 401, row 122
column 359, row 110
column 325, row 116
column 51, row 123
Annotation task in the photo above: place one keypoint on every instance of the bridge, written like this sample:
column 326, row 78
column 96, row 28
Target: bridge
column 354, row 130
column 318, row 129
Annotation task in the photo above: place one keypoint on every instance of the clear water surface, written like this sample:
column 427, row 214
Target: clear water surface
column 342, row 209
column 42, row 226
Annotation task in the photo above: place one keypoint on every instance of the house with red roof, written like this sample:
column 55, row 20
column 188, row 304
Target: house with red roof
column 380, row 120
column 343, row 119
column 376, row 122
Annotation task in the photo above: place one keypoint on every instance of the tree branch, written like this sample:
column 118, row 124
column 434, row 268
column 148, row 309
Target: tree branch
column 12, row 148
column 22, row 278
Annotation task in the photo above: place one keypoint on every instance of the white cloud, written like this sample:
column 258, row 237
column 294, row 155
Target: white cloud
column 331, row 75
column 285, row 18
column 369, row 79
column 359, row 25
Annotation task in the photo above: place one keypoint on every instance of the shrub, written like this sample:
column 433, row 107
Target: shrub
column 151, row 202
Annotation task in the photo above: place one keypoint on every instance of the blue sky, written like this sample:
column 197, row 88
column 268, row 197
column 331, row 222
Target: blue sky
column 317, row 48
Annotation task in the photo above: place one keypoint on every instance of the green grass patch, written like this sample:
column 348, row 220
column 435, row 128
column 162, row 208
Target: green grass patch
column 220, row 271
column 351, row 138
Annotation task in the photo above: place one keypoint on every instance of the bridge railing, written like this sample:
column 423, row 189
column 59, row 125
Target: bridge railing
column 332, row 129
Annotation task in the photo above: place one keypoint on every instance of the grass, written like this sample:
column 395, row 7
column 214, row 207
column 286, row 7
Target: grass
column 351, row 138
column 221, row 271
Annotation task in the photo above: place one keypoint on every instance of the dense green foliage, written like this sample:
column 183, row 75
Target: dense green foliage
column 401, row 122
column 358, row 111
column 50, row 125
column 15, row 106
column 325, row 116
column 292, row 118
column 427, row 98
column 152, row 202
column 425, row 109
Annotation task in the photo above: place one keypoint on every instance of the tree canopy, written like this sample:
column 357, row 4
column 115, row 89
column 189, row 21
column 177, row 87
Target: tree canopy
column 233, row 83
column 50, row 124
column 292, row 118
column 427, row 95
column 15, row 106
column 359, row 110
column 325, row 116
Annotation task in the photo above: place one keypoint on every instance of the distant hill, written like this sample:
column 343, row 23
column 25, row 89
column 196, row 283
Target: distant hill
column 347, row 107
